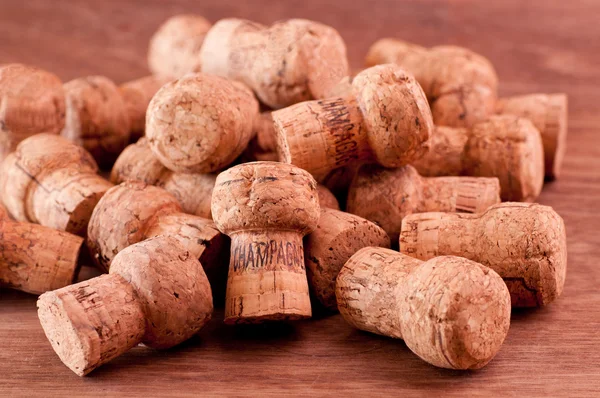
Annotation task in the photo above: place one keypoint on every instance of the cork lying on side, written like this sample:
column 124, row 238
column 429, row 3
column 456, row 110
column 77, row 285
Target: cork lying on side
column 384, row 119
column 452, row 312
column 337, row 237
column 291, row 61
column 51, row 181
column 505, row 146
column 34, row 258
column 524, row 243
column 156, row 293
column 200, row 123
column 461, row 85
column 32, row 101
column 386, row 196
column 548, row 113
column 266, row 208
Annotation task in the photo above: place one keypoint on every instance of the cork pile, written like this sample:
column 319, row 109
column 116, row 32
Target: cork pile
column 229, row 165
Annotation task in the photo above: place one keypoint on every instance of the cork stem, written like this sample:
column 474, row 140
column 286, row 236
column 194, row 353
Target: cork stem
column 461, row 194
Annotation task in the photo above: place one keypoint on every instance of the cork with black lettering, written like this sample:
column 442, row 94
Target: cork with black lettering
column 452, row 312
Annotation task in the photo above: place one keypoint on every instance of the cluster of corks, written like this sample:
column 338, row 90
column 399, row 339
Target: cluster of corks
column 218, row 195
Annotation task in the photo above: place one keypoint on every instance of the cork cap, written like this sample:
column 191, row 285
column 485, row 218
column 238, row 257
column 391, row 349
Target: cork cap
column 200, row 123
column 265, row 195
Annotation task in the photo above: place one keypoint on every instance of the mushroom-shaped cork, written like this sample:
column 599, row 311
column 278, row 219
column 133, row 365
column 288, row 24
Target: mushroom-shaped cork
column 525, row 243
column 384, row 119
column 266, row 208
column 200, row 123
column 452, row 312
column 156, row 293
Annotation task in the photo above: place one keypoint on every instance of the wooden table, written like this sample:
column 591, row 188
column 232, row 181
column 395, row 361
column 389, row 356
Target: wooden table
column 537, row 46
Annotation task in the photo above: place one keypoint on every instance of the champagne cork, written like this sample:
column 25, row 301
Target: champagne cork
column 292, row 61
column 266, row 208
column 156, row 293
column 461, row 85
column 548, row 113
column 385, row 119
column 386, row 196
column 263, row 145
column 32, row 101
column 451, row 312
column 326, row 198
column 524, row 243
column 34, row 258
column 174, row 49
column 97, row 118
column 200, row 123
column 338, row 236
column 507, row 147
column 133, row 211
column 51, row 181
column 136, row 96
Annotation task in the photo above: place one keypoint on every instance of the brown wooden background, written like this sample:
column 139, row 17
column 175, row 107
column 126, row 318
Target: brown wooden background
column 537, row 46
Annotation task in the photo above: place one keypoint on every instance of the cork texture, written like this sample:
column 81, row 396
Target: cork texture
column 461, row 85
column 32, row 101
column 96, row 118
column 524, row 243
column 549, row 114
column 266, row 208
column 51, row 181
column 451, row 312
column 174, row 48
column 291, row 61
column 385, row 119
column 386, row 196
column 337, row 237
column 200, row 123
column 505, row 146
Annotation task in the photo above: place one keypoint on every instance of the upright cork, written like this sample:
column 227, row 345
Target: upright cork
column 452, row 312
column 136, row 96
column 384, row 118
column 461, row 85
column 338, row 236
column 32, row 101
column 34, row 258
column 524, row 243
column 51, row 181
column 266, row 208
column 97, row 118
column 156, row 293
column 386, row 196
column 200, row 123
column 174, row 49
column 292, row 61
column 505, row 146
column 548, row 113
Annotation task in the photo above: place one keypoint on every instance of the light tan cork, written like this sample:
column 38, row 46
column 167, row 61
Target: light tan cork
column 96, row 118
column 156, row 293
column 32, row 101
column 524, row 243
column 174, row 48
column 452, row 312
column 505, row 146
column 461, row 85
column 200, row 123
column 385, row 119
column 338, row 236
column 548, row 113
column 138, row 163
column 34, row 258
column 136, row 96
column 266, row 208
column 386, row 196
column 263, row 145
column 291, row 61
column 51, row 181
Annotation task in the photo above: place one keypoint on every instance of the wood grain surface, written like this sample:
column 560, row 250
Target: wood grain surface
column 537, row 46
